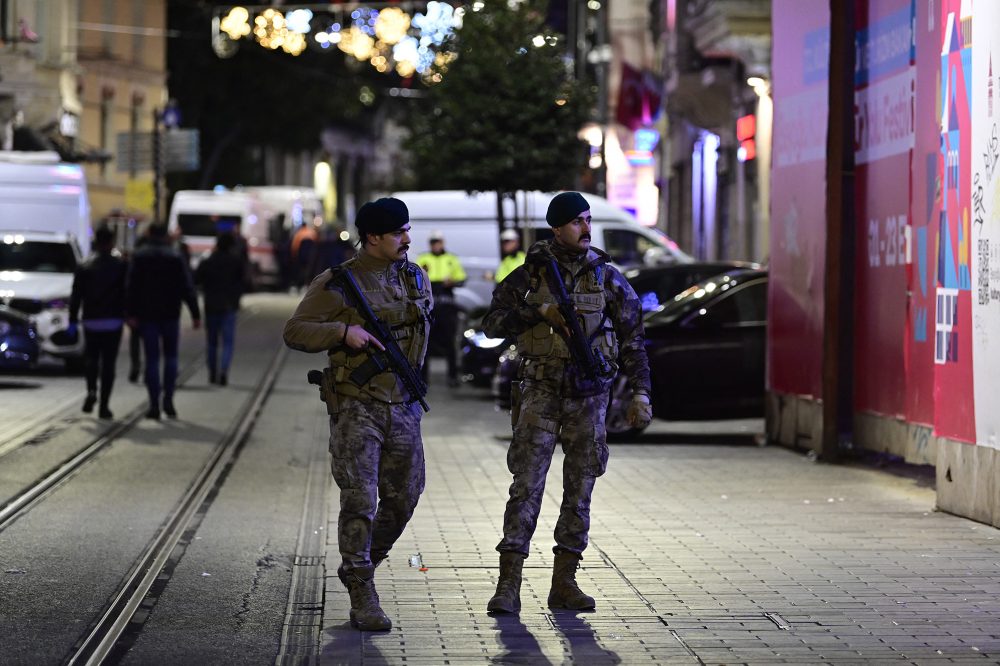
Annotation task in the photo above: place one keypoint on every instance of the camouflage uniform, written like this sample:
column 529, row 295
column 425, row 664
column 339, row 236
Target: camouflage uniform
column 375, row 444
column 556, row 403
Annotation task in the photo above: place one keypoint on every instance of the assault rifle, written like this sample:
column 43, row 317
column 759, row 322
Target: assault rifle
column 592, row 363
column 392, row 358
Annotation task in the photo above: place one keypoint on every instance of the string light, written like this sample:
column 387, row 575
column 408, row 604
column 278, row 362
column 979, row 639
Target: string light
column 389, row 39
column 236, row 23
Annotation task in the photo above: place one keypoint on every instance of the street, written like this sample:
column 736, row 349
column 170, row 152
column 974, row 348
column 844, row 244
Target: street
column 211, row 538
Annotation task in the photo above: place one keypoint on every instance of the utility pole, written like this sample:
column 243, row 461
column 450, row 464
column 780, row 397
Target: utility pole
column 838, row 313
column 603, row 51
column 157, row 165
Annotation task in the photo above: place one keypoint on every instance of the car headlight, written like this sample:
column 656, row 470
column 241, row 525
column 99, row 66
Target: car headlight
column 481, row 340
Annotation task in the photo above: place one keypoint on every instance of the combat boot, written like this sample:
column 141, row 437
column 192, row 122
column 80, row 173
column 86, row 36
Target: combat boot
column 508, row 595
column 565, row 593
column 342, row 569
column 366, row 614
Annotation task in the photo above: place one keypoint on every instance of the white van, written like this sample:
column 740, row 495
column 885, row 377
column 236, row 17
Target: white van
column 198, row 216
column 471, row 232
column 36, row 278
column 44, row 233
column 38, row 193
column 291, row 206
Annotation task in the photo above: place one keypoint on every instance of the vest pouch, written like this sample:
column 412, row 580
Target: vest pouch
column 515, row 401
column 538, row 341
column 329, row 393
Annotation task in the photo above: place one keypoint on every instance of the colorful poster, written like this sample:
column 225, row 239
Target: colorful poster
column 801, row 54
column 954, row 415
column 925, row 209
column 884, row 80
column 985, row 223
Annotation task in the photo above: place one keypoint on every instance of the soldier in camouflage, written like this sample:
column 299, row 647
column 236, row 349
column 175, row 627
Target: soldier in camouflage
column 375, row 443
column 553, row 399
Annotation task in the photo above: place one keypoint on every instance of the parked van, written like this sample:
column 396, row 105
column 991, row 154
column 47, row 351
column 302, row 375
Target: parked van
column 291, row 206
column 198, row 216
column 38, row 193
column 44, row 233
column 471, row 232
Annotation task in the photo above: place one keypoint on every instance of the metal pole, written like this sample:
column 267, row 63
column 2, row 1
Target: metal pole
column 838, row 320
column 156, row 165
column 604, row 64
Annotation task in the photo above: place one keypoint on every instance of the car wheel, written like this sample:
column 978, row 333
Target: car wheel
column 616, row 420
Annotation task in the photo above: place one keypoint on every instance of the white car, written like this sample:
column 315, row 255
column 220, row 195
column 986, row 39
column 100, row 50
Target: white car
column 36, row 278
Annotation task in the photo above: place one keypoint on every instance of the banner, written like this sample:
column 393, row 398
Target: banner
column 798, row 211
column 884, row 78
column 925, row 206
column 954, row 414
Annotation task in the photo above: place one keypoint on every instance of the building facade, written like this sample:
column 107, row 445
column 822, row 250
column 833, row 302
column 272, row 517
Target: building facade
column 84, row 77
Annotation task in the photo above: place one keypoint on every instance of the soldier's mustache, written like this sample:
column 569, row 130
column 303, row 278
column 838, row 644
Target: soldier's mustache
column 585, row 237
column 404, row 248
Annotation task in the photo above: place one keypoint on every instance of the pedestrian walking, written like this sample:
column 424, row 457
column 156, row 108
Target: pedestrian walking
column 511, row 254
column 302, row 248
column 134, row 337
column 159, row 282
column 375, row 413
column 445, row 272
column 577, row 323
column 99, row 289
column 220, row 276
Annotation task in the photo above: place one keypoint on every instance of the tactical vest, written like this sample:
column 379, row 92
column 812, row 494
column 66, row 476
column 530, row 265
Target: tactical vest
column 403, row 309
column 541, row 343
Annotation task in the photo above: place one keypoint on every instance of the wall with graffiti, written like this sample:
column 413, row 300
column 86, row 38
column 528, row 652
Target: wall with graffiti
column 982, row 284
column 927, row 211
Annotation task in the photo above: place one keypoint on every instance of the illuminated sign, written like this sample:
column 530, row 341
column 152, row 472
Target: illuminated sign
column 746, row 129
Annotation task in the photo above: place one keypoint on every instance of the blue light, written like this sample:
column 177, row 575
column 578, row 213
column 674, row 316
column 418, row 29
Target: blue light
column 645, row 139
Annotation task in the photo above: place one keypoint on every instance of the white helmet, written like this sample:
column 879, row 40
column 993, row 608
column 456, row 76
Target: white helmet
column 509, row 235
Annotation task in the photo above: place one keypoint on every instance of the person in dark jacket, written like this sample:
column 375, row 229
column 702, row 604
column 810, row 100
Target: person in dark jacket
column 159, row 281
column 99, row 287
column 221, row 278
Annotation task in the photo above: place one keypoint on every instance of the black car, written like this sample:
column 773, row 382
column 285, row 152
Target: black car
column 479, row 357
column 18, row 339
column 655, row 285
column 706, row 351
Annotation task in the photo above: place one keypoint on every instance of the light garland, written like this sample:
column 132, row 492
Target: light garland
column 389, row 39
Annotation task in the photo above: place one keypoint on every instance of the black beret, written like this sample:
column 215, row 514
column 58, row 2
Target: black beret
column 564, row 207
column 381, row 216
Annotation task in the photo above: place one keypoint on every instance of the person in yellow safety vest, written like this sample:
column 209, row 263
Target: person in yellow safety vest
column 511, row 253
column 445, row 272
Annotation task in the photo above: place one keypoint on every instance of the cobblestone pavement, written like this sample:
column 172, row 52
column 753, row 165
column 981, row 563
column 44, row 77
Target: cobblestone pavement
column 705, row 549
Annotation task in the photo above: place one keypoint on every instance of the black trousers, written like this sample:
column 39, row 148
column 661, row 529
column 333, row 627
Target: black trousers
column 443, row 340
column 100, row 351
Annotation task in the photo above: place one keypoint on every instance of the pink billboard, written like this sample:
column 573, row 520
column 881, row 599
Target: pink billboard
column 954, row 414
column 925, row 210
column 798, row 216
column 883, row 143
